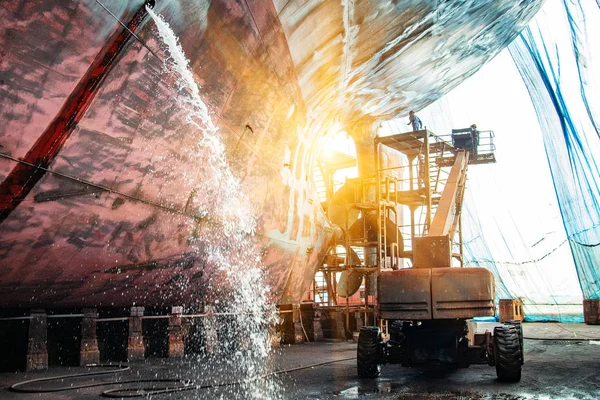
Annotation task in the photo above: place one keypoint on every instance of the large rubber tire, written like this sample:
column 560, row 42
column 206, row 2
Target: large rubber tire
column 507, row 349
column 369, row 352
column 396, row 334
column 395, row 346
column 519, row 327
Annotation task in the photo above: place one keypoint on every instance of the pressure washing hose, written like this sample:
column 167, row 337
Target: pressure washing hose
column 18, row 387
column 556, row 339
column 177, row 385
column 124, row 393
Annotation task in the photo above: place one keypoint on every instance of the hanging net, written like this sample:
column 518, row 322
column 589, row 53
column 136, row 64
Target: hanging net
column 533, row 218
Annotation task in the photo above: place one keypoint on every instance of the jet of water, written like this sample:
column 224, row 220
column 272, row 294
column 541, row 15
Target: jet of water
column 233, row 277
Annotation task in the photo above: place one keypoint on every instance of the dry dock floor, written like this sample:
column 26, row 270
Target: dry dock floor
column 566, row 367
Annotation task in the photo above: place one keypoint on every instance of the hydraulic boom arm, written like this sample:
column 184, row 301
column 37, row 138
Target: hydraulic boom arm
column 435, row 249
column 449, row 208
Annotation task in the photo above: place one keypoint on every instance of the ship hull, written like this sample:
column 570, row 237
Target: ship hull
column 113, row 212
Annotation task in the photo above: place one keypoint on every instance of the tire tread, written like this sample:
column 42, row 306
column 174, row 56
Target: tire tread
column 368, row 352
column 508, row 349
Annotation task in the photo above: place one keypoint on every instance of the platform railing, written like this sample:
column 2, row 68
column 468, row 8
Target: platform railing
column 485, row 144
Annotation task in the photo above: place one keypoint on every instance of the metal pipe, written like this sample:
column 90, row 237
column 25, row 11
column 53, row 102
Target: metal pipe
column 116, row 319
column 427, row 181
column 460, row 240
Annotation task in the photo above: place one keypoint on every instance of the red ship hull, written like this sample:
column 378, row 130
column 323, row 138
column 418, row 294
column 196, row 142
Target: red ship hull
column 99, row 195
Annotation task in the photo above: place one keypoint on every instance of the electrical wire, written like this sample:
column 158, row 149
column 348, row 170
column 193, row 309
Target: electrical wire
column 116, row 319
column 98, row 186
column 520, row 262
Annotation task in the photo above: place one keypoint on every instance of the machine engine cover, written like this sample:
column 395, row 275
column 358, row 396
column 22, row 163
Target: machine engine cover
column 436, row 293
column 405, row 294
column 462, row 293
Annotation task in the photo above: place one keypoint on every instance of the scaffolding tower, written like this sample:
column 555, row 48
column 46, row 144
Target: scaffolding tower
column 386, row 212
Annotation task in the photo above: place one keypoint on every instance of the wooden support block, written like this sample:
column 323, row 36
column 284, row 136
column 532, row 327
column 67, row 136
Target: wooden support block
column 358, row 316
column 591, row 311
column 135, row 341
column 176, row 347
column 339, row 325
column 37, row 348
column 317, row 327
column 291, row 327
column 89, row 352
column 210, row 332
column 311, row 321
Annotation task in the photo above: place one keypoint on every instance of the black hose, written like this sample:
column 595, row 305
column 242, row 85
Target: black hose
column 129, row 393
column 116, row 368
column 561, row 339
column 178, row 385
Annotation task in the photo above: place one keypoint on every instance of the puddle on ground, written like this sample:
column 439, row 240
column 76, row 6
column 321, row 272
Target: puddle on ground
column 402, row 392
column 372, row 388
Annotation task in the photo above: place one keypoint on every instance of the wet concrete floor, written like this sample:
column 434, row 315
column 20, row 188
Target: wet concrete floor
column 566, row 368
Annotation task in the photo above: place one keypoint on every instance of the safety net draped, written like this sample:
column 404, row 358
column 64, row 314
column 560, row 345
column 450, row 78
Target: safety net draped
column 557, row 68
column 533, row 218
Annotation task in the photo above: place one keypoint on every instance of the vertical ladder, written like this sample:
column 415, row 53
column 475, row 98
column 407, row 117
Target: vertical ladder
column 388, row 188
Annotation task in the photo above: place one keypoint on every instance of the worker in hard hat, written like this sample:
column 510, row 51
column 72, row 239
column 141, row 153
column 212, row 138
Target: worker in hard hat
column 475, row 138
column 415, row 121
